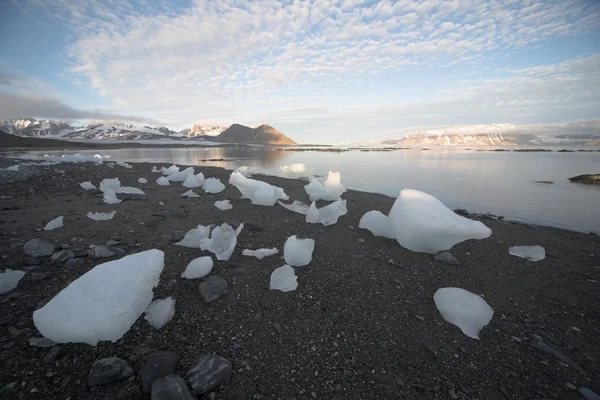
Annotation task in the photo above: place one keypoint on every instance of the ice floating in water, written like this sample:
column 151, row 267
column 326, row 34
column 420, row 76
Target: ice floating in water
column 531, row 253
column 169, row 171
column 181, row 176
column 378, row 223
column 104, row 302
column 330, row 191
column 260, row 193
column 190, row 193
column 162, row 181
column 160, row 312
column 244, row 171
column 223, row 205
column 13, row 168
column 9, row 280
column 260, row 253
column 110, row 197
column 296, row 171
column 194, row 181
column 297, row 207
column 464, row 309
column 213, row 185
column 124, row 164
column 298, row 252
column 422, row 223
column 55, row 223
column 193, row 237
column 75, row 158
column 129, row 190
column 87, row 185
column 327, row 215
column 198, row 268
column 142, row 180
column 222, row 241
column 98, row 216
column 110, row 184
column 284, row 279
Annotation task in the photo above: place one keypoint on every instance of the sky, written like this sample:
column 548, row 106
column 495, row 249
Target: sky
column 323, row 71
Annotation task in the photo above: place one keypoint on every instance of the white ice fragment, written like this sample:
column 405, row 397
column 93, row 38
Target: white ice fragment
column 98, row 216
column 213, row 185
column 9, row 279
column 129, row 190
column 333, row 184
column 327, row 215
column 13, row 168
column 422, row 223
column 464, row 309
column 190, row 193
column 295, row 171
column 107, row 184
column 110, row 197
column 298, row 252
column 259, row 192
column 316, row 191
column 297, row 207
column 124, row 164
column 245, row 170
column 181, row 176
column 142, row 180
column 194, row 181
column 87, row 185
column 169, row 171
column 378, row 223
column 222, row 241
column 160, row 312
column 54, row 224
column 104, row 302
column 531, row 253
column 260, row 253
column 193, row 236
column 223, row 205
column 198, row 268
column 162, row 181
column 284, row 279
column 155, row 170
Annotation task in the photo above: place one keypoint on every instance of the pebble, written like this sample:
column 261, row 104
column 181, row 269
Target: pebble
column 51, row 356
column 101, row 251
column 452, row 394
column 208, row 372
column 576, row 329
column 108, row 370
column 516, row 339
column 419, row 318
column 38, row 248
column 39, row 276
column 75, row 263
column 62, row 256
column 171, row 387
column 571, row 386
column 142, row 350
column 213, row 288
column 158, row 365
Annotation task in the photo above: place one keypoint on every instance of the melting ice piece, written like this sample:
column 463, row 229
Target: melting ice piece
column 129, row 190
column 296, row 171
column 259, row 192
column 298, row 252
column 297, row 207
column 162, row 181
column 190, row 193
column 222, row 241
column 142, row 180
column 181, row 176
column 109, row 184
column 327, row 215
column 223, row 205
column 422, row 223
column 160, row 312
column 110, row 197
column 331, row 191
column 284, row 279
column 213, row 185
column 260, row 253
column 124, row 164
column 98, row 216
column 155, row 170
column 55, row 223
column 103, row 303
column 531, row 253
column 193, row 236
column 244, row 171
column 87, row 185
column 198, row 268
column 464, row 309
column 9, row 280
column 194, row 181
column 333, row 184
column 378, row 223
column 169, row 171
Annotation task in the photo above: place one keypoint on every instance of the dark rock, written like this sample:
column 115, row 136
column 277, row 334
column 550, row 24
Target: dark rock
column 8, row 345
column 117, row 250
column 38, row 248
column 158, row 365
column 131, row 196
column 39, row 276
column 31, row 269
column 546, row 182
column 62, row 256
column 461, row 211
column 178, row 235
column 171, row 387
column 588, row 179
column 142, row 349
column 213, row 288
column 446, row 257
column 108, row 370
column 208, row 372
column 32, row 261
column 112, row 243
column 50, row 357
column 75, row 263
column 101, row 251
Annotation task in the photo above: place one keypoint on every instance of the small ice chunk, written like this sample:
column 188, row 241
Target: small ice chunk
column 142, row 180
column 297, row 207
column 223, row 205
column 298, row 252
column 260, row 253
column 222, row 241
column 98, row 216
column 327, row 215
column 109, row 184
column 87, row 185
column 54, row 224
column 124, row 164
column 295, row 171
column 260, row 193
column 181, row 176
column 378, row 223
column 213, row 185
column 316, row 191
column 9, row 280
column 531, row 253
column 190, row 193
column 333, row 184
column 193, row 236
column 162, row 181
column 464, row 309
column 129, row 190
column 103, row 303
column 13, row 168
column 194, row 181
column 198, row 268
column 155, row 170
column 245, row 170
column 110, row 197
column 160, row 312
column 170, row 171
column 284, row 279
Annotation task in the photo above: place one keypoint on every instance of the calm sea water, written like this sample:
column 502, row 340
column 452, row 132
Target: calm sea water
column 502, row 183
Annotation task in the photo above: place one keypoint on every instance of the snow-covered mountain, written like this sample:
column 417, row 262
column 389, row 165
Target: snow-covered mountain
column 33, row 127
column 478, row 139
column 198, row 130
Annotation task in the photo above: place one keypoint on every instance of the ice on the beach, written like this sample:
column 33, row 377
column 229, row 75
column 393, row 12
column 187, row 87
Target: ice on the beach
column 334, row 184
column 13, row 168
column 327, row 215
column 223, row 205
column 284, row 279
column 330, row 191
column 297, row 207
column 87, row 185
column 181, row 176
column 155, row 170
column 162, row 181
column 169, row 171
column 295, row 171
column 194, row 181
column 245, row 170
column 259, row 192
column 9, row 280
column 198, row 268
column 112, row 184
column 124, row 164
column 110, row 197
column 104, row 302
column 378, row 223
column 531, row 253
column 129, row 190
column 213, row 185
column 99, row 216
column 222, row 241
column 260, row 253
column 160, row 312
column 142, row 180
column 464, row 309
column 191, row 194
column 298, row 252
column 54, row 224
column 422, row 223
column 193, row 237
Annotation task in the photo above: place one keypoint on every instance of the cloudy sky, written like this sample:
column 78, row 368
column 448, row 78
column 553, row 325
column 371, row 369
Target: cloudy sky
column 320, row 71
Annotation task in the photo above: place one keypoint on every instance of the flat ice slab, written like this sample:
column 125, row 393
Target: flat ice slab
column 284, row 279
column 193, row 237
column 160, row 312
column 260, row 253
column 223, row 205
column 54, row 224
column 129, row 190
column 327, row 215
column 259, row 192
column 190, row 193
column 531, row 253
column 98, row 216
column 298, row 252
column 464, row 309
column 9, row 279
column 87, row 185
column 378, row 224
column 222, row 241
column 297, row 207
column 198, row 268
column 213, row 185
